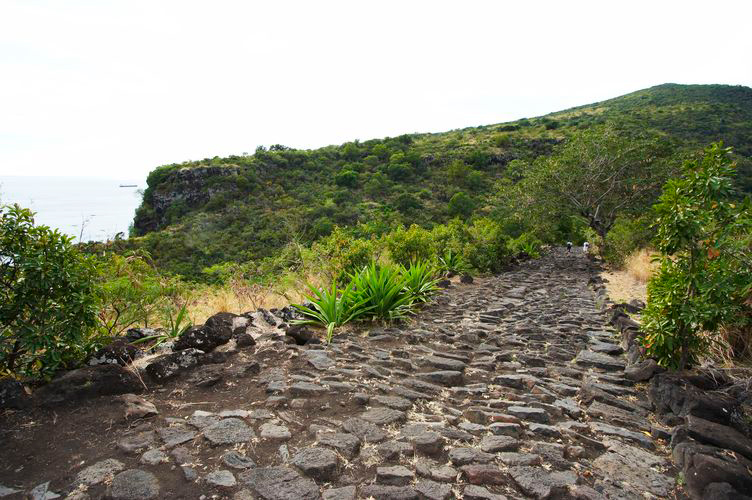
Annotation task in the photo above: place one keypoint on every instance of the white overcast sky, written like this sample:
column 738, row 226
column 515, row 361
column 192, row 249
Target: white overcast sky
column 115, row 88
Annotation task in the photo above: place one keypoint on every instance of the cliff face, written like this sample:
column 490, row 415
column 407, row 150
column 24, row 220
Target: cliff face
column 180, row 190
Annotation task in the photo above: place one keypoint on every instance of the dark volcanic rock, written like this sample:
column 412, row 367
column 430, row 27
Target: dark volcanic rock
column 538, row 483
column 280, row 483
column 216, row 331
column 709, row 432
column 89, row 382
column 319, row 463
column 120, row 352
column 134, row 484
column 170, row 365
column 642, row 371
column 13, row 395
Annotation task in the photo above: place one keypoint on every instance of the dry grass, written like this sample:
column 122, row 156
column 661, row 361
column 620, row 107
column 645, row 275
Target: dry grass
column 631, row 281
column 239, row 298
column 639, row 265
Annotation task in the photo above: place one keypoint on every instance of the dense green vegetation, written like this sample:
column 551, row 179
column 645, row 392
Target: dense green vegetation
column 374, row 224
column 199, row 214
column 705, row 278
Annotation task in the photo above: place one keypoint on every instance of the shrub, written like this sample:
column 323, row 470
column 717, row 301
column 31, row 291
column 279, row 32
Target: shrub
column 47, row 298
column 346, row 178
column 704, row 280
column 461, row 205
column 409, row 245
column 342, row 254
column 626, row 236
column 487, row 249
column 526, row 243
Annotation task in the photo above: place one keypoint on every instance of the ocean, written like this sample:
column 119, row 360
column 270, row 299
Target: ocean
column 90, row 209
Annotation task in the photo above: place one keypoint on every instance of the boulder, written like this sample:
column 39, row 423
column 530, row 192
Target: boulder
column 13, row 395
column 217, row 330
column 89, row 382
column 120, row 352
column 170, row 365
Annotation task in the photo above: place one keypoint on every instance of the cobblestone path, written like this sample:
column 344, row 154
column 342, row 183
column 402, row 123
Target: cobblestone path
column 510, row 387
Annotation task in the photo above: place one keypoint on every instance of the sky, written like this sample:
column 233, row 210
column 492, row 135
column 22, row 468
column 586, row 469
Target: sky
column 108, row 88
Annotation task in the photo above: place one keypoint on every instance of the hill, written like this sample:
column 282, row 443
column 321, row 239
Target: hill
column 239, row 208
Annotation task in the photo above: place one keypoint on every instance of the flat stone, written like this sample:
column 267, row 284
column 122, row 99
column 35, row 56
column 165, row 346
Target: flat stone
column 395, row 476
column 364, row 430
column 465, row 456
column 383, row 416
column 474, row 492
column 597, row 360
column 605, row 348
column 513, row 459
column 642, row 371
column 228, row 431
column 395, row 402
column 319, row 463
column 132, row 443
column 529, row 413
column 483, row 474
column 611, row 430
column 635, row 467
column 520, row 382
column 344, row 493
column 447, row 378
column 539, row 483
column 97, row 473
column 138, row 407
column 134, row 484
column 42, row 492
column 234, row 413
column 202, row 419
column 492, row 444
column 280, row 483
column 444, row 363
column 5, row 491
column 176, row 434
column 154, row 457
column 237, row 461
column 432, row 490
column 347, row 444
column 505, row 429
column 382, row 492
column 271, row 431
column 306, row 389
column 222, row 479
column 445, row 474
column 428, row 443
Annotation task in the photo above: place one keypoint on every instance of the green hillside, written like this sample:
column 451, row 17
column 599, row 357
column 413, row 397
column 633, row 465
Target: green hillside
column 240, row 208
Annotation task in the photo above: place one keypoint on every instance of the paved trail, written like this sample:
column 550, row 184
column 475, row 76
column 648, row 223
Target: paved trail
column 508, row 387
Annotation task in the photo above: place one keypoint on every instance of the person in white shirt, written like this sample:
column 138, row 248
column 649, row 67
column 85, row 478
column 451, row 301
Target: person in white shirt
column 585, row 247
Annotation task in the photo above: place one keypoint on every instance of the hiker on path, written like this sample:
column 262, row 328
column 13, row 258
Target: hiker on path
column 585, row 247
column 569, row 246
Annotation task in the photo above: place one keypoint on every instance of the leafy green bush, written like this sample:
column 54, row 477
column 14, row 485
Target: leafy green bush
column 486, row 249
column 452, row 262
column 461, row 205
column 131, row 291
column 47, row 298
column 526, row 243
column 626, row 236
column 409, row 245
column 341, row 254
column 705, row 279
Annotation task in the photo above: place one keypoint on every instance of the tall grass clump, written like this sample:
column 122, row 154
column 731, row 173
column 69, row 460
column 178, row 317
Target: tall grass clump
column 382, row 288
column 332, row 307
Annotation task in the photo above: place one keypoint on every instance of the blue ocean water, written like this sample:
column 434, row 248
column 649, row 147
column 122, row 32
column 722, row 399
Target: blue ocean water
column 90, row 208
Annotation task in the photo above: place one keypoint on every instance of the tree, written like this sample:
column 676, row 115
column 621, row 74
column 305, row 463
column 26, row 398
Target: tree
column 705, row 277
column 598, row 175
column 47, row 297
column 461, row 205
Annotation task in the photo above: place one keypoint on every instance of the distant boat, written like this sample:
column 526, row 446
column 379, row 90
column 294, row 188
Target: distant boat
column 128, row 185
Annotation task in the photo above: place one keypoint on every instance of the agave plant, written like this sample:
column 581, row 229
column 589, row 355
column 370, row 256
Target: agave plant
column 419, row 280
column 452, row 262
column 332, row 307
column 175, row 330
column 381, row 288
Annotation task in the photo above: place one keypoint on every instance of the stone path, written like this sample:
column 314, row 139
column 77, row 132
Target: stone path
column 511, row 387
